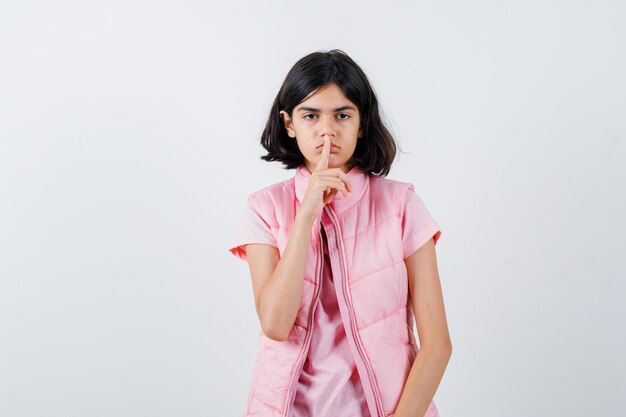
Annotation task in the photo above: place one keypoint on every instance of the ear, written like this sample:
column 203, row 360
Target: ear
column 288, row 123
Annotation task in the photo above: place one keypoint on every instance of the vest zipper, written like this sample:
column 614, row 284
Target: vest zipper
column 307, row 341
column 355, row 335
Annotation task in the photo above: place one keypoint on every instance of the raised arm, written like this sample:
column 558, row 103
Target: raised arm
column 277, row 281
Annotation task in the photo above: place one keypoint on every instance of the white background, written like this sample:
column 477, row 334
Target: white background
column 129, row 140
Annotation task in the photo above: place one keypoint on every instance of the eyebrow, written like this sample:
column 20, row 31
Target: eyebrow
column 336, row 109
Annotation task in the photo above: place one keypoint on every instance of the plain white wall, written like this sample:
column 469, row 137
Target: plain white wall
column 129, row 140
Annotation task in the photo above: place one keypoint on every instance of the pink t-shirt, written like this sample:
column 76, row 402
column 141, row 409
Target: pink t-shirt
column 329, row 385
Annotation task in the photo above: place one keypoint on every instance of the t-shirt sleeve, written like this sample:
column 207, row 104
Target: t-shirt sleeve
column 418, row 226
column 252, row 229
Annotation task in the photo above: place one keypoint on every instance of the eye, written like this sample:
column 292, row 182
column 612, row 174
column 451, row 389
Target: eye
column 306, row 116
column 344, row 114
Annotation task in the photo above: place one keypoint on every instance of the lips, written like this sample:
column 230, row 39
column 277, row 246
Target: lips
column 332, row 146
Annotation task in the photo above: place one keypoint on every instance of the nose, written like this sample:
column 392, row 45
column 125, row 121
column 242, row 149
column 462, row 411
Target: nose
column 327, row 126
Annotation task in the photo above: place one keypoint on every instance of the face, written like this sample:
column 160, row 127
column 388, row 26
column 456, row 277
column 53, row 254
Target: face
column 325, row 112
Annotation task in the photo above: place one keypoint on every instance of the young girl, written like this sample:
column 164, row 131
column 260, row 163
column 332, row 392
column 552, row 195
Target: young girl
column 342, row 260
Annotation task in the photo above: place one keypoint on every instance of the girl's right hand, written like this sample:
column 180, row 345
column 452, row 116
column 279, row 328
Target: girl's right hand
column 324, row 184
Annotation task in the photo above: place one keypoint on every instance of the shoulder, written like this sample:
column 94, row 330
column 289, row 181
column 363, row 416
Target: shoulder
column 279, row 190
column 393, row 189
column 272, row 199
column 390, row 183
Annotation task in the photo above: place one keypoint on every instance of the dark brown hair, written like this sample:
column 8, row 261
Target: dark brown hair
column 375, row 151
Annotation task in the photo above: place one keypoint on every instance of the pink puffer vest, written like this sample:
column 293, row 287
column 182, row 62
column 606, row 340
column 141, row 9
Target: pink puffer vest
column 367, row 249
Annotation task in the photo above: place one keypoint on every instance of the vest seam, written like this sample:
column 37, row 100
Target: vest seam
column 365, row 276
column 387, row 315
column 267, row 405
column 386, row 219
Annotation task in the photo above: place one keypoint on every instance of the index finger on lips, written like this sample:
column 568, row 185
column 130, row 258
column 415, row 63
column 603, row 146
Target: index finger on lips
column 324, row 156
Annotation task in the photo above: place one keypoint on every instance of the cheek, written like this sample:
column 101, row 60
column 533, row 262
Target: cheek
column 351, row 129
column 353, row 124
column 304, row 128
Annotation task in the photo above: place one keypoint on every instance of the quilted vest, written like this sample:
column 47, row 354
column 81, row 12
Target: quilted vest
column 365, row 247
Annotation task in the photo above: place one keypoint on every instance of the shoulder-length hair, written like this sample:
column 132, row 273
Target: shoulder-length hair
column 375, row 150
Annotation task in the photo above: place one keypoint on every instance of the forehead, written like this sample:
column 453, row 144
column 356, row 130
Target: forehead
column 326, row 97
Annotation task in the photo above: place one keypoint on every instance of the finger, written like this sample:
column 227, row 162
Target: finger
column 329, row 197
column 344, row 177
column 339, row 178
column 334, row 183
column 324, row 156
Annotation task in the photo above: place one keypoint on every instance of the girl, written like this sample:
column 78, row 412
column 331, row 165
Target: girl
column 342, row 260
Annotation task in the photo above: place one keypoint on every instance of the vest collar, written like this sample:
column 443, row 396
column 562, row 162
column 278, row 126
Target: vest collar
column 358, row 179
